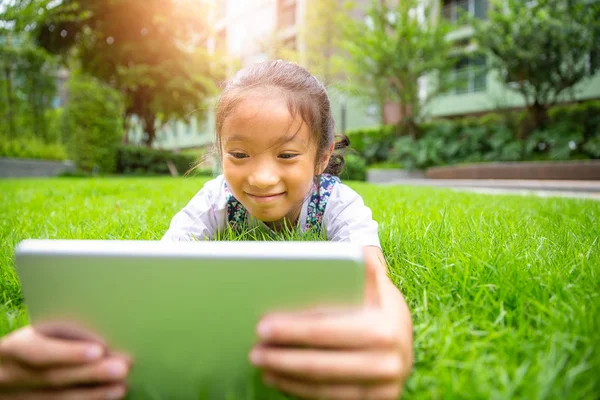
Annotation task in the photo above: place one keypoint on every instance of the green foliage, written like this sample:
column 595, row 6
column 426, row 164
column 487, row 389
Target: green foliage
column 573, row 132
column 355, row 168
column 152, row 51
column 386, row 165
column 592, row 147
column 559, row 141
column 134, row 160
column 372, row 144
column 391, row 49
column 56, row 131
column 27, row 77
column 24, row 147
column 94, row 121
column 542, row 48
column 586, row 114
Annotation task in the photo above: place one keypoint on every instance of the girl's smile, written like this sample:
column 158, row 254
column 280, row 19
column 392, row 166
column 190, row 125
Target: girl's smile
column 266, row 198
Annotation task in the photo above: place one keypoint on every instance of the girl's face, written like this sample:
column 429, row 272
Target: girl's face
column 268, row 158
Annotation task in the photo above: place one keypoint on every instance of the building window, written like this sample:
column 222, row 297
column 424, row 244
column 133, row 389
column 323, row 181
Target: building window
column 469, row 75
column 452, row 9
column 286, row 13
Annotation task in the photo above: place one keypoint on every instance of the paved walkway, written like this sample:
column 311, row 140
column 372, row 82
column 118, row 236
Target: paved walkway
column 546, row 188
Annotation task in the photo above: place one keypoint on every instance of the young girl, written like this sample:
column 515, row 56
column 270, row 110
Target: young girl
column 275, row 137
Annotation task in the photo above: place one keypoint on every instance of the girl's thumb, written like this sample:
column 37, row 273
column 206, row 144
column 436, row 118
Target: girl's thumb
column 373, row 275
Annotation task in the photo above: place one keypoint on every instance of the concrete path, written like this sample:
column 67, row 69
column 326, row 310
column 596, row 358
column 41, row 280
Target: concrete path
column 539, row 193
column 545, row 188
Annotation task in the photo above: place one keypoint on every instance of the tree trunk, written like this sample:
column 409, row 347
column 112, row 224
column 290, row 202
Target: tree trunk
column 9, row 90
column 9, row 103
column 407, row 126
column 537, row 117
column 125, row 140
column 540, row 115
column 149, row 128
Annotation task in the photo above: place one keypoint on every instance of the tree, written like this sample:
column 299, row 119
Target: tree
column 93, row 117
column 153, row 52
column 27, row 82
column 541, row 49
column 321, row 33
column 389, row 53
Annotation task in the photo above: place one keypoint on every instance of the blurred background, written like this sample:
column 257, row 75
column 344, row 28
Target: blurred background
column 129, row 86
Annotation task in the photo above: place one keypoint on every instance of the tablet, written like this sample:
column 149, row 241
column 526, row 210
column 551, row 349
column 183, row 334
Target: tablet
column 185, row 311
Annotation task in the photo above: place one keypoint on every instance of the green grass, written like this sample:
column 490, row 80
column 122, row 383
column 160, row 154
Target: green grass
column 504, row 290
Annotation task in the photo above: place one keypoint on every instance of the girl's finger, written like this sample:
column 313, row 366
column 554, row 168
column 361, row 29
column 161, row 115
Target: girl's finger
column 331, row 366
column 108, row 392
column 358, row 329
column 29, row 347
column 311, row 390
column 108, row 370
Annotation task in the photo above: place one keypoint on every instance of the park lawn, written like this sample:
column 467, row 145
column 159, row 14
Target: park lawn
column 504, row 290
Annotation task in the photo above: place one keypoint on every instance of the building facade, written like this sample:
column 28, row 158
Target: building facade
column 479, row 91
column 251, row 31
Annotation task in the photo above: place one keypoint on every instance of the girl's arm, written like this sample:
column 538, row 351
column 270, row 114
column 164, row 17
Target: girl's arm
column 359, row 354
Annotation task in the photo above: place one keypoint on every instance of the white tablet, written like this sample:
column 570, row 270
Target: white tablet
column 186, row 312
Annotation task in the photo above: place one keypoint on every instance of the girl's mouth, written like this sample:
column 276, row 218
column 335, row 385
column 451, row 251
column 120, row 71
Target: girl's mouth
column 265, row 198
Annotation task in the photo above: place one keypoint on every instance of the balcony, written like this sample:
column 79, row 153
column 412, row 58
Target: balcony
column 453, row 9
column 471, row 79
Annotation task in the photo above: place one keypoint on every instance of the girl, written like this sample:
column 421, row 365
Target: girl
column 275, row 137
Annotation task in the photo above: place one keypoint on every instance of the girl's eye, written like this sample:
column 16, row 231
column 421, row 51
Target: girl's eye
column 287, row 156
column 239, row 156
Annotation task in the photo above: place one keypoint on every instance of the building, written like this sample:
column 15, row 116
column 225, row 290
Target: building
column 480, row 91
column 251, row 31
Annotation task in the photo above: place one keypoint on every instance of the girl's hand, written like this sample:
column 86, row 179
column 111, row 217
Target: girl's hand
column 37, row 366
column 352, row 354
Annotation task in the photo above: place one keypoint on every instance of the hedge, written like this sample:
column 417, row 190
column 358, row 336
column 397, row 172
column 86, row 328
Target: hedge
column 31, row 148
column 573, row 132
column 133, row 160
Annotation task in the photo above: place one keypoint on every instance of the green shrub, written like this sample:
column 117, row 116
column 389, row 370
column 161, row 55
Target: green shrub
column 560, row 141
column 94, row 122
column 585, row 120
column 133, row 160
column 373, row 144
column 592, row 146
column 386, row 165
column 55, row 119
column 573, row 132
column 31, row 148
column 355, row 168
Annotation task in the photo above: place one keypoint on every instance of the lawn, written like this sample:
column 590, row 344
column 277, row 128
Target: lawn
column 504, row 290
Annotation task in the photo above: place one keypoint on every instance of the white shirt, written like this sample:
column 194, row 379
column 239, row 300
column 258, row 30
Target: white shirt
column 346, row 217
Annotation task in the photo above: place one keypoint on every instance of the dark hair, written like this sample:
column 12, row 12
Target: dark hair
column 305, row 96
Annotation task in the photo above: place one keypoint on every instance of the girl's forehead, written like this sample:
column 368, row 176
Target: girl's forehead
column 264, row 118
column 258, row 102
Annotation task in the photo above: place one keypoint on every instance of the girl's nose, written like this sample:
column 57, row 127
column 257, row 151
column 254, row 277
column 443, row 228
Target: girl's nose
column 263, row 177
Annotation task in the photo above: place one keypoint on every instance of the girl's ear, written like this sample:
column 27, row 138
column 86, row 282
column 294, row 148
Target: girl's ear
column 325, row 159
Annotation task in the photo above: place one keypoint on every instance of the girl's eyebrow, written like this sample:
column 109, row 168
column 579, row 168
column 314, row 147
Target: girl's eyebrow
column 290, row 138
column 237, row 138
column 285, row 139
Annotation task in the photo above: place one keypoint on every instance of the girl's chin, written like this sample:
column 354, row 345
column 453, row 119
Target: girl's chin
column 273, row 219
